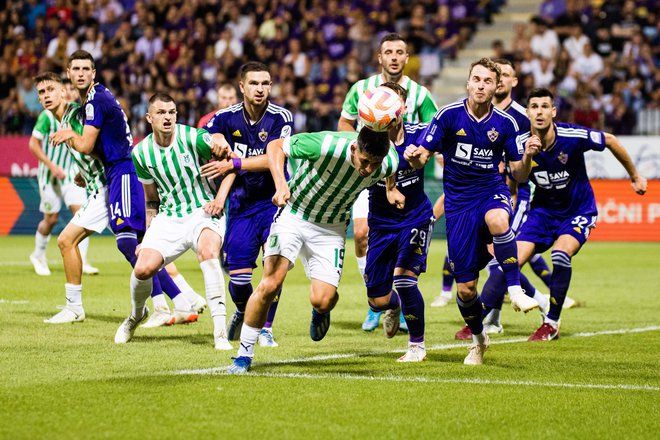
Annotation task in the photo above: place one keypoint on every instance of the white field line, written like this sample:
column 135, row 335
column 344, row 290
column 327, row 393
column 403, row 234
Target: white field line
column 8, row 301
column 222, row 370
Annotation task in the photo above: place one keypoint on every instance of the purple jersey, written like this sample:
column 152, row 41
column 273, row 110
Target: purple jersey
column 472, row 150
column 114, row 142
column 410, row 183
column 252, row 191
column 559, row 172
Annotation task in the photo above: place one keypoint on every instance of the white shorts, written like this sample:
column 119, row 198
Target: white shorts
column 320, row 246
column 361, row 205
column 172, row 236
column 52, row 196
column 93, row 214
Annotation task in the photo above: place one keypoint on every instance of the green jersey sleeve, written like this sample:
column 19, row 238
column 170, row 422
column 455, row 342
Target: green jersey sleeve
column 43, row 126
column 203, row 142
column 304, row 145
column 350, row 108
column 140, row 167
column 428, row 108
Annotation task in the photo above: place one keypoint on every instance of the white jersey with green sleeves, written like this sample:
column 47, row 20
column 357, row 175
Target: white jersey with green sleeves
column 175, row 169
column 44, row 128
column 91, row 169
column 326, row 183
column 420, row 104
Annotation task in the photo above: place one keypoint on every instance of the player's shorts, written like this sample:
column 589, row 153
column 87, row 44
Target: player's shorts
column 361, row 205
column 320, row 246
column 245, row 238
column 468, row 237
column 543, row 228
column 126, row 201
column 93, row 214
column 519, row 215
column 52, row 195
column 172, row 236
column 390, row 248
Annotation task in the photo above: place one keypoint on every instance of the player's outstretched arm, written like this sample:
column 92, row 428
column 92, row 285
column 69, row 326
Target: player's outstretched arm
column 417, row 157
column 81, row 143
column 638, row 182
column 345, row 124
column 220, row 147
column 217, row 205
column 520, row 169
column 394, row 196
column 275, row 154
column 35, row 148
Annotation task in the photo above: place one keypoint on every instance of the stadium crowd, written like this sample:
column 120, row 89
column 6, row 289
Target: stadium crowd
column 600, row 57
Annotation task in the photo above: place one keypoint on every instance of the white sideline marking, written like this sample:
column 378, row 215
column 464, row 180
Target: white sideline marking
column 464, row 381
column 222, row 370
column 7, row 301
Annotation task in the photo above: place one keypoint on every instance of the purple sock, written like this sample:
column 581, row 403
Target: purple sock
column 447, row 277
column 166, row 284
column 471, row 312
column 541, row 269
column 126, row 243
column 492, row 294
column 393, row 303
column 240, row 289
column 412, row 306
column 561, row 279
column 272, row 310
column 506, row 253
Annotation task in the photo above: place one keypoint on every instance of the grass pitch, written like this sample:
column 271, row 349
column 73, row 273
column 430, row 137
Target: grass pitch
column 599, row 380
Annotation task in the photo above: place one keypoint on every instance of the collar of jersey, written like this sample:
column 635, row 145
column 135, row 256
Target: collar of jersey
column 472, row 118
column 89, row 90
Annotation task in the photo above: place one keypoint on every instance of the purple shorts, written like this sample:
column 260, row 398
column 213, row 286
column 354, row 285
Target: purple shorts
column 126, row 209
column 245, row 236
column 543, row 228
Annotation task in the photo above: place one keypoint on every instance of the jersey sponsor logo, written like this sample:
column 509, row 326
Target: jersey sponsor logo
column 240, row 149
column 493, row 134
column 482, row 153
column 556, row 180
column 286, row 131
column 237, row 134
column 463, row 151
column 461, row 132
column 596, row 137
column 89, row 112
column 263, row 135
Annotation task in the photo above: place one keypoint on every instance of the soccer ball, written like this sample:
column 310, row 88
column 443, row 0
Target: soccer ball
column 380, row 108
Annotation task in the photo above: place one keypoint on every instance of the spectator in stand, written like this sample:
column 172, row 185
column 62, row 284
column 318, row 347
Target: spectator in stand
column 93, row 42
column 543, row 73
column 585, row 115
column 28, row 103
column 60, row 47
column 227, row 42
column 575, row 42
column 551, row 9
column 149, row 44
column 602, row 43
column 619, row 118
column 297, row 59
column 544, row 42
column 588, row 66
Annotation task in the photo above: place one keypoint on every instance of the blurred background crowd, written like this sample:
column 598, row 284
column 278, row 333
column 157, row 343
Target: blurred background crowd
column 601, row 57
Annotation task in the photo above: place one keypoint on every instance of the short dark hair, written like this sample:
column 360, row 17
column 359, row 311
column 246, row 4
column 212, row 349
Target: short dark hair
column 253, row 66
column 541, row 92
column 488, row 64
column 82, row 55
column 373, row 143
column 392, row 36
column 48, row 76
column 160, row 96
column 398, row 88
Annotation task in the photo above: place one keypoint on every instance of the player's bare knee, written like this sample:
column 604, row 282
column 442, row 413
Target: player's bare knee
column 144, row 270
column 207, row 253
column 466, row 291
column 270, row 286
column 65, row 242
column 324, row 302
column 51, row 220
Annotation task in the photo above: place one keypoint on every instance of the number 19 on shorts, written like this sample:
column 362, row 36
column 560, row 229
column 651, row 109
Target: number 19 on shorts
column 339, row 258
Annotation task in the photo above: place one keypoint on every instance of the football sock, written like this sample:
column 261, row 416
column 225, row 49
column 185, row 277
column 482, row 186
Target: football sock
column 506, row 253
column 561, row 279
column 447, row 277
column 40, row 244
column 540, row 268
column 362, row 265
column 493, row 318
column 272, row 310
column 412, row 306
column 167, row 285
column 140, row 291
column 393, row 303
column 126, row 243
column 159, row 301
column 73, row 294
column 240, row 289
column 249, row 336
column 185, row 288
column 471, row 312
column 83, row 247
column 492, row 294
column 214, row 284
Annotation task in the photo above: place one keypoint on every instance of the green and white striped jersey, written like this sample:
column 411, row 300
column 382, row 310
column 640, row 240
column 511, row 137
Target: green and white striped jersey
column 175, row 169
column 91, row 169
column 58, row 154
column 326, row 183
column 420, row 104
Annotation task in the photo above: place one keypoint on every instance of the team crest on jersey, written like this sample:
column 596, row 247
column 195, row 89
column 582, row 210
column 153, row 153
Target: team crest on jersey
column 187, row 159
column 493, row 134
column 263, row 135
column 563, row 157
